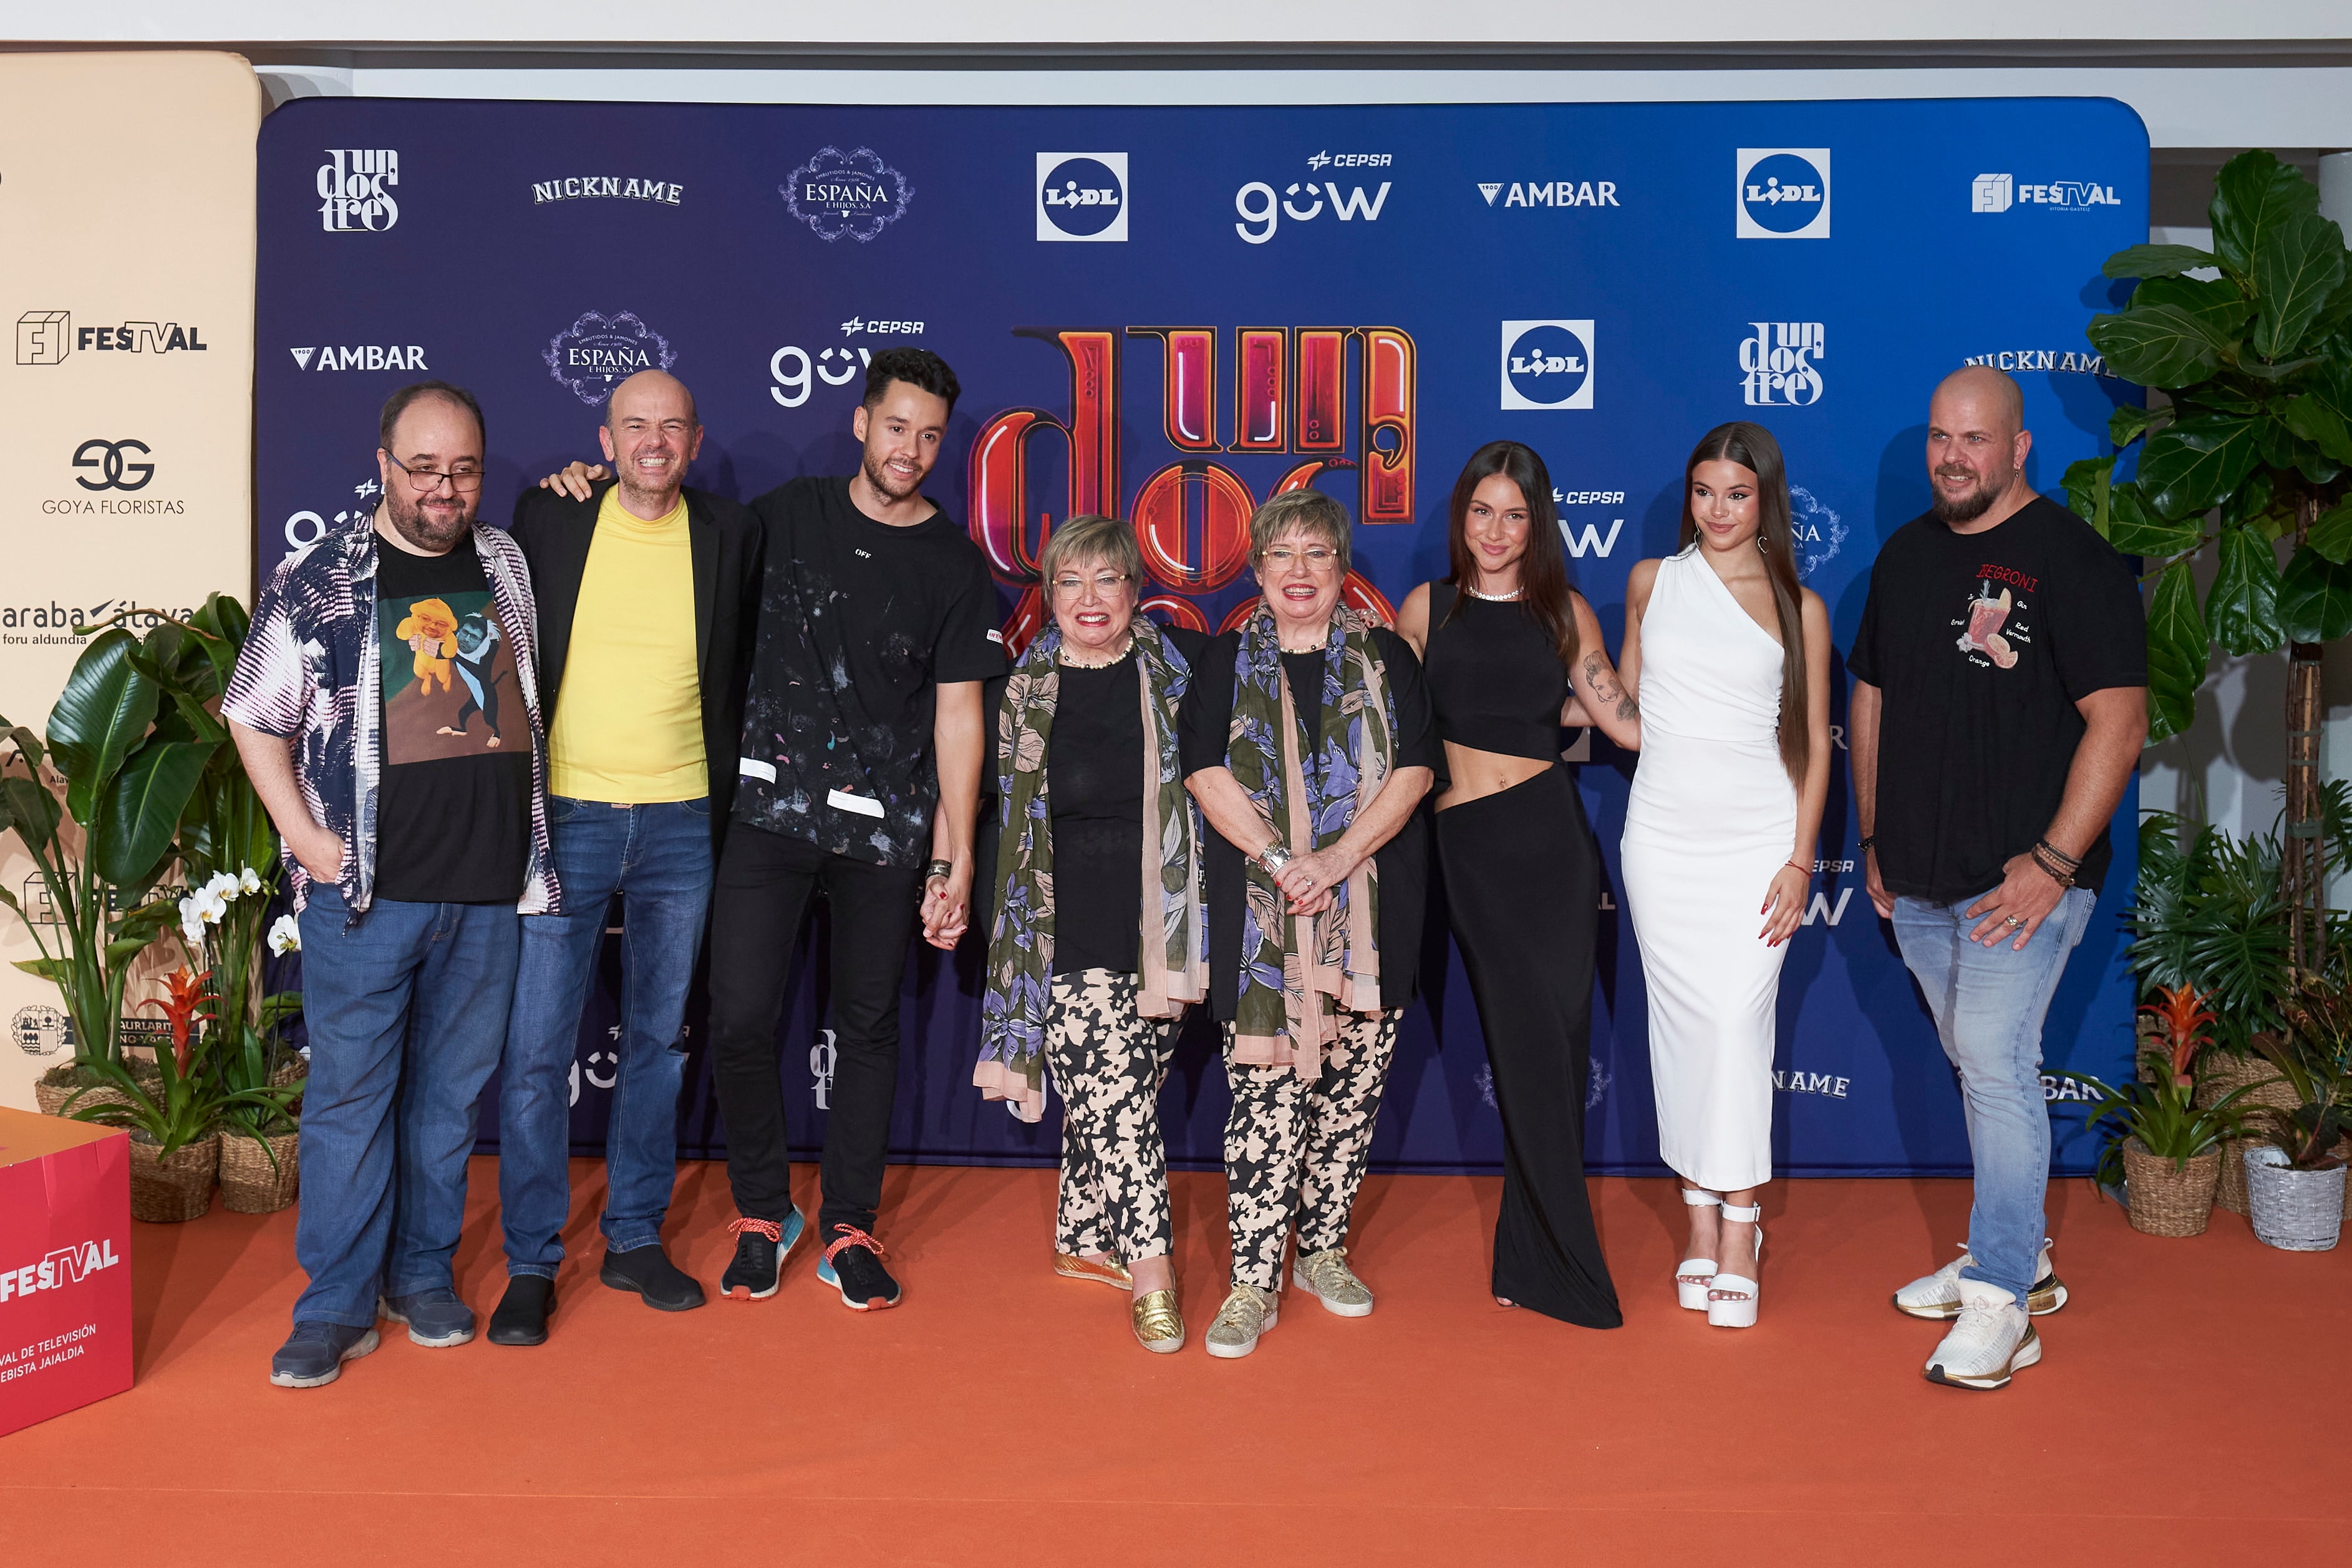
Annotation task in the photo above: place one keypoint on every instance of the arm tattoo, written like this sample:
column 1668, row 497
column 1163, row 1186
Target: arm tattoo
column 1607, row 688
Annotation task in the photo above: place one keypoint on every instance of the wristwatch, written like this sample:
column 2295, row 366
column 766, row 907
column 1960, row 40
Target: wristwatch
column 1273, row 858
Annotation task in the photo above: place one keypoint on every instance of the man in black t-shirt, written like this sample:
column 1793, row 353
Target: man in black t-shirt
column 859, row 776
column 1999, row 705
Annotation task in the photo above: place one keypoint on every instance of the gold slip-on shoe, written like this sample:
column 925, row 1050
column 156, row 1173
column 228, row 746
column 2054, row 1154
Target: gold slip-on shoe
column 1159, row 1326
column 1102, row 1271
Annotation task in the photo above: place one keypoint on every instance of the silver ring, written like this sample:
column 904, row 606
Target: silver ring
column 2015, row 921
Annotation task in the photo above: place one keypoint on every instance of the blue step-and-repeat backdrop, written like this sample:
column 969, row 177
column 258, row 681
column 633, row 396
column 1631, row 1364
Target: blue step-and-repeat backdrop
column 1168, row 312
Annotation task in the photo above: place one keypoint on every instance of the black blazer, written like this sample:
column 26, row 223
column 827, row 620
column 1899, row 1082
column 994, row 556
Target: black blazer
column 726, row 541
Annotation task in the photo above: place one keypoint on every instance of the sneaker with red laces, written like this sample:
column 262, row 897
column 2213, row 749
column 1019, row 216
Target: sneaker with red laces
column 853, row 1265
column 761, row 1247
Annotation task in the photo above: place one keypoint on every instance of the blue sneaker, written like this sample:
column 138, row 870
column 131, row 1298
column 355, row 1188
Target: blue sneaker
column 853, row 1265
column 313, row 1355
column 436, row 1317
column 761, row 1247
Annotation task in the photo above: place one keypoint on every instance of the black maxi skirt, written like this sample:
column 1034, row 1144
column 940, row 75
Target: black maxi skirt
column 1523, row 883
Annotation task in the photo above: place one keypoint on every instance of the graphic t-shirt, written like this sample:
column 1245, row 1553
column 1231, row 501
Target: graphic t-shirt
column 628, row 723
column 859, row 623
column 1981, row 645
column 453, row 816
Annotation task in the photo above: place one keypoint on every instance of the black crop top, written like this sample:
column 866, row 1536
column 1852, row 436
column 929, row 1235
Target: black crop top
column 1494, row 678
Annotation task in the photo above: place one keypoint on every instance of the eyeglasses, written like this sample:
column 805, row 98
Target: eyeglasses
column 1106, row 584
column 1319, row 558
column 425, row 481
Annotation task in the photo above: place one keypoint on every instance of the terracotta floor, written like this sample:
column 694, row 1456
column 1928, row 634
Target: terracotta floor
column 2190, row 1411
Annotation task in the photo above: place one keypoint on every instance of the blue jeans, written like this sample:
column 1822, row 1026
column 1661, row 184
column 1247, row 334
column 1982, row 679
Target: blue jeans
column 406, row 1009
column 1989, row 1004
column 657, row 857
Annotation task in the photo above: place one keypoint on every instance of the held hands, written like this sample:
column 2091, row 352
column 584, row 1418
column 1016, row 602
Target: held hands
column 2023, row 901
column 1309, row 879
column 577, row 479
column 947, row 907
column 1784, row 905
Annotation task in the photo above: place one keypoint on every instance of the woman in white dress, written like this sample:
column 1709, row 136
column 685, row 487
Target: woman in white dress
column 1728, row 656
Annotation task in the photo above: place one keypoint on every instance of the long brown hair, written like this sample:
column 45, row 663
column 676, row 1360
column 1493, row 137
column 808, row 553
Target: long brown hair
column 1543, row 569
column 1752, row 448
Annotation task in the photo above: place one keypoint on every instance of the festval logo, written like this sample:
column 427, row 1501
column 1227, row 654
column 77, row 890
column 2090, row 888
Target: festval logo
column 1082, row 196
column 854, row 193
column 597, row 353
column 1547, row 364
column 1783, row 192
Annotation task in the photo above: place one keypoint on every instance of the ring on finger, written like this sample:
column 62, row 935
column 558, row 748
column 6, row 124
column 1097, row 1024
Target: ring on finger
column 2014, row 922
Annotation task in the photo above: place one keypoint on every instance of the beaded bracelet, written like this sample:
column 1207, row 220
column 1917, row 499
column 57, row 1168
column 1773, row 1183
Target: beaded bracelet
column 2064, row 877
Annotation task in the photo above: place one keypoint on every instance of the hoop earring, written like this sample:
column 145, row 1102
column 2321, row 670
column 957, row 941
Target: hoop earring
column 1761, row 548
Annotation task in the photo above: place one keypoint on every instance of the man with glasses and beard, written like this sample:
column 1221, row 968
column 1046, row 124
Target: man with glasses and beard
column 859, row 778
column 414, row 839
column 2000, row 703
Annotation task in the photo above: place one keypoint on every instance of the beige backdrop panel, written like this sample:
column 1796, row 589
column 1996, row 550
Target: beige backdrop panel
column 126, row 383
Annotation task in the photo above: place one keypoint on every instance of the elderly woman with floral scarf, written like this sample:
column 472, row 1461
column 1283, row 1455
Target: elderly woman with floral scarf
column 1100, row 933
column 1308, row 741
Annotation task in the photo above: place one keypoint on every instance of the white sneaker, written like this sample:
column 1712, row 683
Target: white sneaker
column 1937, row 1296
column 1991, row 1343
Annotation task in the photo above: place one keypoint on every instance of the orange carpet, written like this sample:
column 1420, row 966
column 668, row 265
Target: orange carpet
column 2189, row 1410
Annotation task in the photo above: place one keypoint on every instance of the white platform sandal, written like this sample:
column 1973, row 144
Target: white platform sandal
column 1740, row 1310
column 1693, row 1277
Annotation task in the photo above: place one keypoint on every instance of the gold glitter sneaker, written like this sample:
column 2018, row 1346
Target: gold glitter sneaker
column 1247, row 1313
column 1325, row 1275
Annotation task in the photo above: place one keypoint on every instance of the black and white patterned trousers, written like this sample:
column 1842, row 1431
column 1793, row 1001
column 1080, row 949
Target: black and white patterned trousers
column 1108, row 1062
column 1296, row 1151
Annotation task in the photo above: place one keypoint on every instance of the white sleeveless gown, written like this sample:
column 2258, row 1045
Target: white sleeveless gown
column 1712, row 816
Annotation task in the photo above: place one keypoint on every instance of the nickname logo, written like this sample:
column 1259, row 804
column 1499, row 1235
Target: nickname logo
column 1547, row 364
column 45, row 337
column 854, row 193
column 1999, row 193
column 113, row 473
column 2065, row 362
column 1790, row 1081
column 1082, row 196
column 1776, row 365
column 41, row 1031
column 612, row 187
column 1549, row 193
column 353, row 190
column 597, row 353
column 359, row 356
column 1783, row 192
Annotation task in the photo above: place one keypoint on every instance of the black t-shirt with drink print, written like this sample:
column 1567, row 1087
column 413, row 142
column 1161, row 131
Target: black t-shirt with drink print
column 1981, row 645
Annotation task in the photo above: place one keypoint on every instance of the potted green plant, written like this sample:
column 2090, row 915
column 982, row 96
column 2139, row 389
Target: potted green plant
column 2294, row 1172
column 125, row 752
column 2170, row 1146
column 173, row 1117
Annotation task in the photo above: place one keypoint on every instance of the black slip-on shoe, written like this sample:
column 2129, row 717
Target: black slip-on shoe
column 521, row 1317
column 648, row 1271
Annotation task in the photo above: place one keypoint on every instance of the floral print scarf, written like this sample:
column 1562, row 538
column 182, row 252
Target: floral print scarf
column 1297, row 971
column 1172, row 955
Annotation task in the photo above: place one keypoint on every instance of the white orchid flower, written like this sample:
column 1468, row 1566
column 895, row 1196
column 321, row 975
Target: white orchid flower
column 210, row 906
column 249, row 879
column 192, row 924
column 221, row 885
column 286, row 935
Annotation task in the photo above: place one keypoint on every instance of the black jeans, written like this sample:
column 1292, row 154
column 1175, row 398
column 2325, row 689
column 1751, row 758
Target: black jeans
column 764, row 886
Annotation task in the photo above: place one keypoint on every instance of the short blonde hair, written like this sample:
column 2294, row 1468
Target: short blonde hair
column 1088, row 537
column 1308, row 511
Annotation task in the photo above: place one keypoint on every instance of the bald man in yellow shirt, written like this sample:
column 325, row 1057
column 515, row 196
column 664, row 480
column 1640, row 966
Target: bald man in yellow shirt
column 647, row 594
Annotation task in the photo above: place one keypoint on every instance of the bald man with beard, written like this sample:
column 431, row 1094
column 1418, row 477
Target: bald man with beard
column 2000, row 703
column 648, row 593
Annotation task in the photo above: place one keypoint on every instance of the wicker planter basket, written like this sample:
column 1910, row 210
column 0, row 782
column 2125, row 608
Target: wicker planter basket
column 2169, row 1201
column 164, row 1192
column 2217, row 1073
column 50, row 1097
column 249, row 1184
column 2296, row 1211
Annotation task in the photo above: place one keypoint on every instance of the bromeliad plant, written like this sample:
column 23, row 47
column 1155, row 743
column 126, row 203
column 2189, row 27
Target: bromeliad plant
column 2160, row 1109
column 2249, row 449
column 2314, row 1057
column 186, row 1100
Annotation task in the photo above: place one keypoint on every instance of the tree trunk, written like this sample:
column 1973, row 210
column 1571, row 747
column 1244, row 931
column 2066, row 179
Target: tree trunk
column 2303, row 872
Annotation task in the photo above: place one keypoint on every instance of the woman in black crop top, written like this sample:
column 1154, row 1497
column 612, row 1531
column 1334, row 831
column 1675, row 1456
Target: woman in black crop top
column 1512, row 653
column 1095, row 952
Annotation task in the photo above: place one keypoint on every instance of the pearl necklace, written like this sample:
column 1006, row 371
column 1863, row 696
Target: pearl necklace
column 1495, row 598
column 1072, row 661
